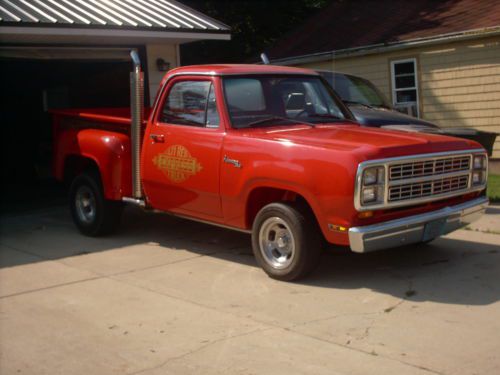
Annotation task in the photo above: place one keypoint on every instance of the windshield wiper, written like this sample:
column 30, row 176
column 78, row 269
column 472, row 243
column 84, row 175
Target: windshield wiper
column 266, row 120
column 357, row 103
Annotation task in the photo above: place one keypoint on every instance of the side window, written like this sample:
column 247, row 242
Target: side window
column 212, row 114
column 191, row 103
column 405, row 86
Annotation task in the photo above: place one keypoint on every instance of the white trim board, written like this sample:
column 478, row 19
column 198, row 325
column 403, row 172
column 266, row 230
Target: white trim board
column 394, row 90
column 39, row 32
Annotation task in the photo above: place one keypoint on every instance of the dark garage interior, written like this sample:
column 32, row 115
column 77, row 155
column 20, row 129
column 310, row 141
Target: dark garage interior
column 30, row 88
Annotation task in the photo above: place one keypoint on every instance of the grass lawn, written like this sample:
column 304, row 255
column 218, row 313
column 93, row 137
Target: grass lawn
column 494, row 187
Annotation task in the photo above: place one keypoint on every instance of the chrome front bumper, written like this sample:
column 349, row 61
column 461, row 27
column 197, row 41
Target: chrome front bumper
column 417, row 228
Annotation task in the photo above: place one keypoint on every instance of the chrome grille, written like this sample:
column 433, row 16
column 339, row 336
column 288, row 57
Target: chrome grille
column 420, row 179
column 428, row 188
column 430, row 167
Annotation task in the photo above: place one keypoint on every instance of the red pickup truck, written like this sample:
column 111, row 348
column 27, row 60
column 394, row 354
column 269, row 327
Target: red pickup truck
column 271, row 151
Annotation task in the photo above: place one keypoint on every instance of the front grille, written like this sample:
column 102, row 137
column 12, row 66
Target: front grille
column 427, row 188
column 430, row 167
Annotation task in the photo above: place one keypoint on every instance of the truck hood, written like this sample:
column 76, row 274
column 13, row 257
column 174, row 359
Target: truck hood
column 383, row 116
column 370, row 143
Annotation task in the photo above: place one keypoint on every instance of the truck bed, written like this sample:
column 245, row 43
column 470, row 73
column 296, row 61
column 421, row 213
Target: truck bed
column 116, row 118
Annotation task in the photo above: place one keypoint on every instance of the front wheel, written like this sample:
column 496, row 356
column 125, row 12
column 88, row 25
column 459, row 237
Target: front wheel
column 286, row 241
column 92, row 214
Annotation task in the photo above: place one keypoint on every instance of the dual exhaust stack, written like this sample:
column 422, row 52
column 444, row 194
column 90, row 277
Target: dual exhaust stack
column 137, row 114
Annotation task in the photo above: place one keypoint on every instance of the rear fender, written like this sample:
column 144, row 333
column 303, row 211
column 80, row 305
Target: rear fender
column 110, row 151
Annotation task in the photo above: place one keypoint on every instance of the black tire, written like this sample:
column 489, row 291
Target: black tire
column 278, row 226
column 92, row 214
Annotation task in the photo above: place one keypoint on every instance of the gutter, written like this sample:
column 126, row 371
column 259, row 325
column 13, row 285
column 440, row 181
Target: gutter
column 388, row 47
column 154, row 35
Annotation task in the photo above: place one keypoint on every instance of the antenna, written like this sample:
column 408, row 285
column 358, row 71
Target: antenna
column 264, row 58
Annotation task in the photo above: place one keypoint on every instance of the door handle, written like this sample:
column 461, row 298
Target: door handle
column 157, row 138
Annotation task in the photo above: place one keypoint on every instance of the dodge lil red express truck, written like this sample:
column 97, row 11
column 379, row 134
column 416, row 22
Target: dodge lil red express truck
column 271, row 151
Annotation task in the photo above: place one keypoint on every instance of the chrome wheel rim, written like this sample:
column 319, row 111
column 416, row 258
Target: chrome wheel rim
column 276, row 243
column 85, row 204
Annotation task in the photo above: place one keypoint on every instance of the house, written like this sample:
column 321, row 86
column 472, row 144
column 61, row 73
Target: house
column 436, row 60
column 61, row 53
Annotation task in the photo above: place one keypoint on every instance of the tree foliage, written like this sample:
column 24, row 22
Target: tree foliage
column 255, row 26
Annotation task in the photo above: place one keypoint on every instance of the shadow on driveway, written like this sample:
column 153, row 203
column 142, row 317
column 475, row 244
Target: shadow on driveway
column 445, row 271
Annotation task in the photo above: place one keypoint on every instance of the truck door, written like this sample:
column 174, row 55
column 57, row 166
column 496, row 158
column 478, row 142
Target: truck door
column 182, row 150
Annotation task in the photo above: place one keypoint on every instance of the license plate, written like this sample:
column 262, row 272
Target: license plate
column 433, row 229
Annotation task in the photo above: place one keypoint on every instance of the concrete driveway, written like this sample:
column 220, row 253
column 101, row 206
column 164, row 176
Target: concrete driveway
column 168, row 296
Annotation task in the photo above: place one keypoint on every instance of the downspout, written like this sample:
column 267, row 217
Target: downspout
column 137, row 113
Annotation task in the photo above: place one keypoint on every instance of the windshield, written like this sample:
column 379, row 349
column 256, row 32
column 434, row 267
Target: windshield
column 355, row 90
column 285, row 100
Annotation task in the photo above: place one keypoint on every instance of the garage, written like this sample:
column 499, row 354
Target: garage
column 33, row 87
column 62, row 55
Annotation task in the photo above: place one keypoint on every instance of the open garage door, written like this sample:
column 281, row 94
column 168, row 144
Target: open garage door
column 35, row 80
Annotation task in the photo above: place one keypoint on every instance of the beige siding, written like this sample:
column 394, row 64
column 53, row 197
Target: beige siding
column 459, row 83
column 167, row 52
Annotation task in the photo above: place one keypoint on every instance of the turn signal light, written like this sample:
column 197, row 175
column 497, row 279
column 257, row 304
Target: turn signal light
column 365, row 214
column 337, row 228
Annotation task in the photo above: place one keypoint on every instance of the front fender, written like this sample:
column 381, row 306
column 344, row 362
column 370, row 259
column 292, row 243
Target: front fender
column 323, row 205
column 283, row 185
column 323, row 177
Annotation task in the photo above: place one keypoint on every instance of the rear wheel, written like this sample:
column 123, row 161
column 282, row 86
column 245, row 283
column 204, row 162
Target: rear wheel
column 286, row 241
column 92, row 214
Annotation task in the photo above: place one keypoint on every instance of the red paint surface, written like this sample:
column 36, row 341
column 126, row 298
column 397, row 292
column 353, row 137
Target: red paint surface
column 278, row 163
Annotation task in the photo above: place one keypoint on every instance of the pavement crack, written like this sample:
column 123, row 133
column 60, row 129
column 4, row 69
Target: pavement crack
column 24, row 251
column 370, row 353
column 201, row 348
column 409, row 293
column 366, row 333
column 187, row 300
column 159, row 265
column 269, row 326
column 51, row 287
column 330, row 317
column 393, row 307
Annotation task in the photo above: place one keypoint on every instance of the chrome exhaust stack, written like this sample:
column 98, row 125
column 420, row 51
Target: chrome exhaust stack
column 137, row 113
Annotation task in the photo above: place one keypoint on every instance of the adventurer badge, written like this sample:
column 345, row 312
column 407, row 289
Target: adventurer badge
column 177, row 163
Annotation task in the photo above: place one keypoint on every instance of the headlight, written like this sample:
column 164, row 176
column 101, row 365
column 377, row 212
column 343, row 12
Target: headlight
column 370, row 176
column 477, row 178
column 478, row 161
column 369, row 194
column 372, row 186
column 372, row 194
column 479, row 170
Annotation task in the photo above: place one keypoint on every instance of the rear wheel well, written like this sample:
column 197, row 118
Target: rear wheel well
column 74, row 165
column 263, row 196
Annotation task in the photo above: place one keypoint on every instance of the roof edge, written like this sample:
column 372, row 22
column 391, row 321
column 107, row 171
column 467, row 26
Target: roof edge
column 387, row 47
column 5, row 32
column 36, row 25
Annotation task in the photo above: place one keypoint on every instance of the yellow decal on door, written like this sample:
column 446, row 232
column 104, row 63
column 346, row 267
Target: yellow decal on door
column 177, row 163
